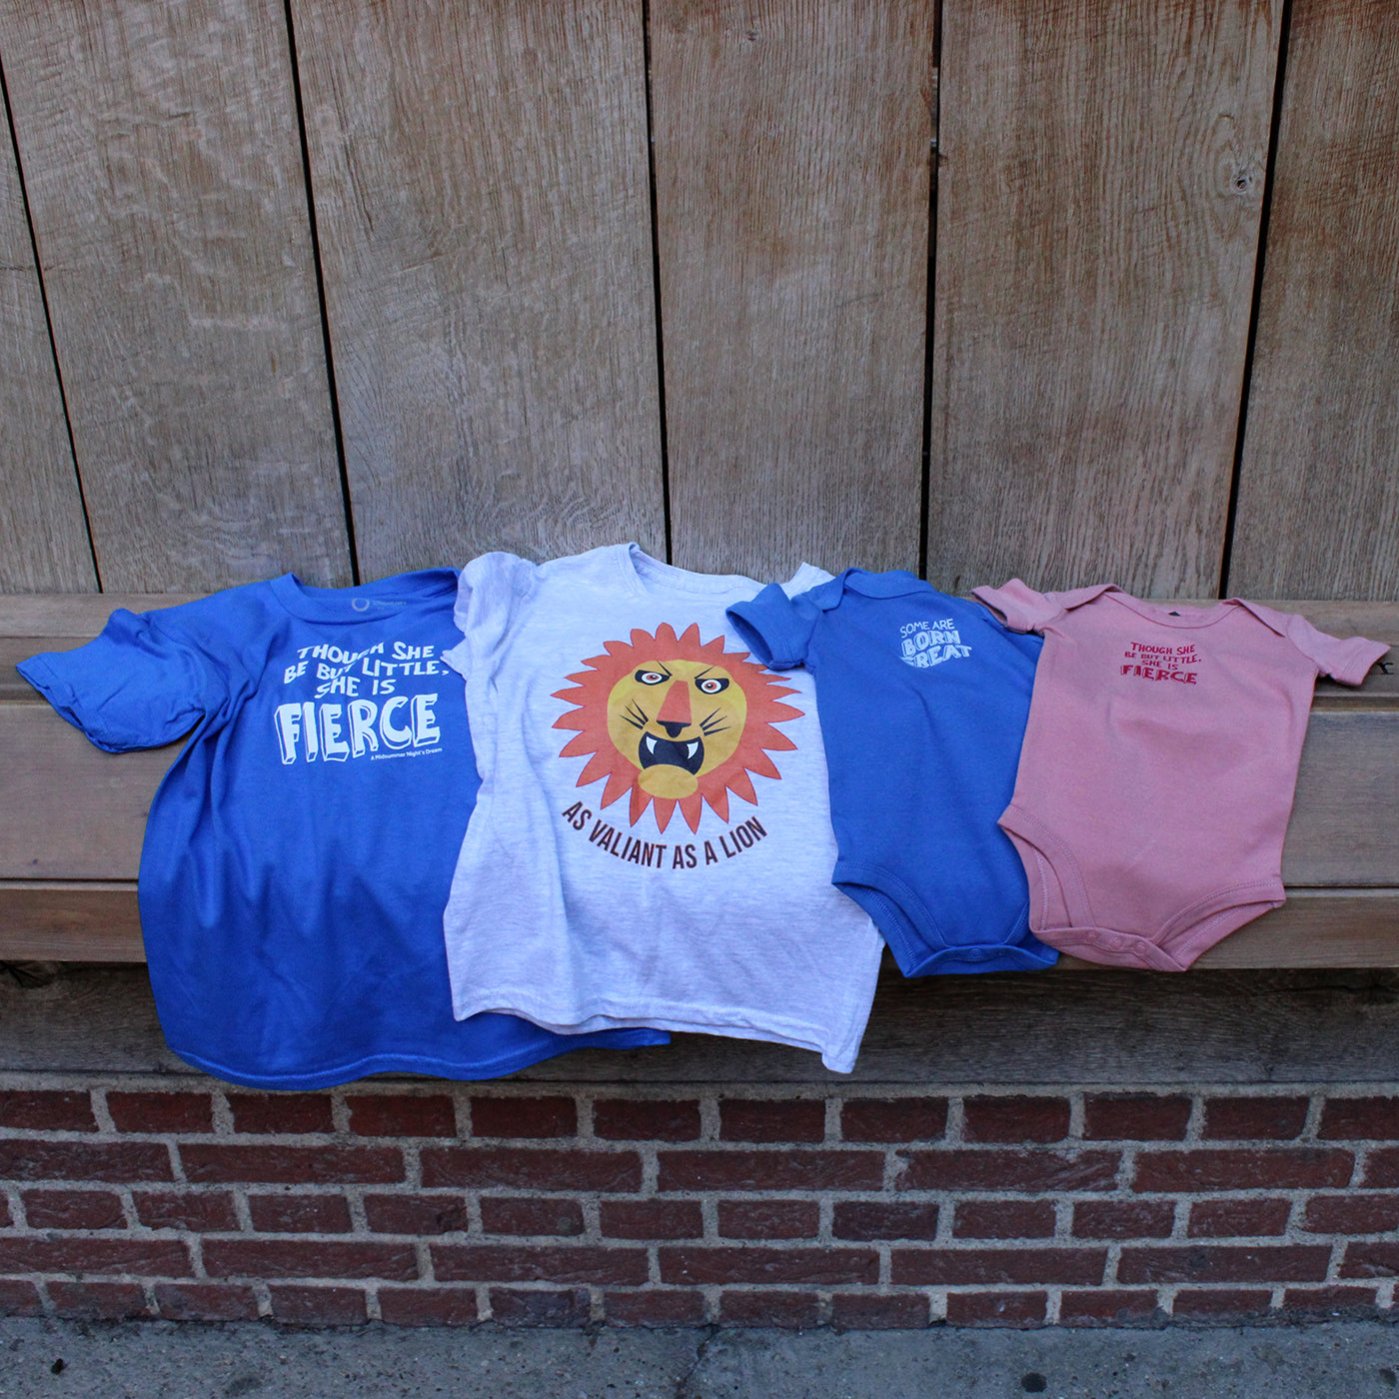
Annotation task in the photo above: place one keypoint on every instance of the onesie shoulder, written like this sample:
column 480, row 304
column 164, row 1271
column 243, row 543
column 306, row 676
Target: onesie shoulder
column 1345, row 659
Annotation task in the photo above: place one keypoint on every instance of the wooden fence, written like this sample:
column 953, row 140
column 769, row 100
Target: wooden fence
column 1075, row 289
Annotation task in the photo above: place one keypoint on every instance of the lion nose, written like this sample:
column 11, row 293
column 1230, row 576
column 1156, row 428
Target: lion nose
column 675, row 712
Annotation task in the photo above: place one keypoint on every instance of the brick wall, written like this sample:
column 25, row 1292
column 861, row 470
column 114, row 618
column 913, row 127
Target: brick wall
column 551, row 1205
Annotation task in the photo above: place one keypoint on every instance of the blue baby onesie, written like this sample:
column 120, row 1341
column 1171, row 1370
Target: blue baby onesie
column 923, row 702
column 300, row 849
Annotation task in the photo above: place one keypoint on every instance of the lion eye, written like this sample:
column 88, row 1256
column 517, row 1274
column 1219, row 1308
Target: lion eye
column 712, row 684
column 651, row 677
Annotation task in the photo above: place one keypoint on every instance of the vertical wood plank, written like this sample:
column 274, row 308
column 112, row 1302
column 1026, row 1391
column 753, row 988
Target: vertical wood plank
column 480, row 177
column 792, row 149
column 1318, row 509
column 163, row 168
column 1099, row 194
column 43, row 537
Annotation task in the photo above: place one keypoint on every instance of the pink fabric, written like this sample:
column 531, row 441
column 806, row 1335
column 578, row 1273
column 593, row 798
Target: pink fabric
column 1159, row 766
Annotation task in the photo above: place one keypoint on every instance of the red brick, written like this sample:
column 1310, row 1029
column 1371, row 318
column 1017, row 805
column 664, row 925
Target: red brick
column 319, row 1306
column 428, row 1306
column 98, row 1301
column 73, row 1209
column 1117, row 1306
column 640, row 1120
column 512, row 1307
column 769, row 1120
column 1352, row 1214
column 530, row 1168
column 995, row 1308
column 1312, row 1303
column 1360, row 1119
column 1123, row 1219
column 416, row 1214
column 143, row 1257
column 523, row 1117
column 300, row 1214
column 292, row 1165
column 1015, row 1119
column 893, row 1119
column 1377, row 1258
column 385, row 1115
column 1003, row 1219
column 659, row 1307
column 1224, row 1304
column 19, row 1298
column 161, row 1112
column 303, row 1258
column 1381, row 1166
column 39, row 1110
column 22, row 1159
column 561, row 1263
column 884, row 1219
column 753, row 1264
column 771, row 1170
column 1254, row 1119
column 1225, row 1263
column 1243, row 1168
column 651, row 1219
column 870, row 1311
column 788, row 1309
column 1044, row 1172
column 769, row 1219
column 1135, row 1117
column 290, row 1114
column 5, row 1218
column 197, row 1212
column 532, row 1216
column 205, row 1301
column 1221, row 1219
column 972, row 1266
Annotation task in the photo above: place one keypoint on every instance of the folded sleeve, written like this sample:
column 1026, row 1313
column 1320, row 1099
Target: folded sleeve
column 139, row 684
column 776, row 628
column 490, row 592
column 1345, row 659
column 1020, row 606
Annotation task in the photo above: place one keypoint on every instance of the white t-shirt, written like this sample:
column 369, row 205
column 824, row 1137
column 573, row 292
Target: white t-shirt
column 652, row 843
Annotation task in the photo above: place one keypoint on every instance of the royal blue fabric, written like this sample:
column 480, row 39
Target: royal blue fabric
column 923, row 700
column 300, row 849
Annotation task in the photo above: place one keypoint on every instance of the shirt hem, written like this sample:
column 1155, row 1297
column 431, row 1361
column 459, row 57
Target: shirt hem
column 639, row 1037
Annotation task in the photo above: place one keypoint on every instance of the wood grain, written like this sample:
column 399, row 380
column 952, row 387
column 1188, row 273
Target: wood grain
column 1187, row 1032
column 43, row 535
column 482, row 204
column 1318, row 504
column 792, row 151
column 163, row 168
column 1099, row 191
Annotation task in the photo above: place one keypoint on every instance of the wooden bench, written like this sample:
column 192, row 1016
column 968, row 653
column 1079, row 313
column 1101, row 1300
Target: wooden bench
column 74, row 817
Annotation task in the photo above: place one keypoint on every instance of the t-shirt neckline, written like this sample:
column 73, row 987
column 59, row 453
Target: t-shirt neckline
column 367, row 602
column 646, row 575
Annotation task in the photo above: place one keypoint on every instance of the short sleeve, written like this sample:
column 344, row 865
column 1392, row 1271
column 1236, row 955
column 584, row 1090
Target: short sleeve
column 1021, row 607
column 137, row 685
column 1346, row 659
column 776, row 628
column 490, row 591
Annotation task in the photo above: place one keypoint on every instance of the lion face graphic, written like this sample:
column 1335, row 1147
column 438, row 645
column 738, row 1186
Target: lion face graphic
column 675, row 722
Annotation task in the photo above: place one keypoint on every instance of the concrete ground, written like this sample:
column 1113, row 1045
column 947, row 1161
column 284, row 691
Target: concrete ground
column 183, row 1361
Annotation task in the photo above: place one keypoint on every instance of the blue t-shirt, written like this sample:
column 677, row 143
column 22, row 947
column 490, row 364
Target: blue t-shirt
column 300, row 848
column 923, row 700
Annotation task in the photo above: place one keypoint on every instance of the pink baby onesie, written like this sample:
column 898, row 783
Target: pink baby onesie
column 1159, row 765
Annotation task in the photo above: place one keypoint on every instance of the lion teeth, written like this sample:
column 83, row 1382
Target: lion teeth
column 691, row 749
column 648, row 742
